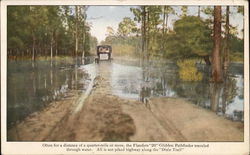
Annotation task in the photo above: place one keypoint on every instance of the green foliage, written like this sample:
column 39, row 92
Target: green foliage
column 188, row 71
column 92, row 44
column 126, row 27
column 191, row 38
column 125, row 43
column 184, row 11
column 86, row 43
column 236, row 44
column 110, row 31
column 16, row 42
column 137, row 11
column 124, row 46
column 41, row 27
column 123, row 50
column 240, row 10
column 236, row 57
column 168, row 10
column 236, row 48
column 208, row 10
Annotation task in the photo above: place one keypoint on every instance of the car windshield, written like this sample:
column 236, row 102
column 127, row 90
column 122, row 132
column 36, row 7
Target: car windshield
column 105, row 49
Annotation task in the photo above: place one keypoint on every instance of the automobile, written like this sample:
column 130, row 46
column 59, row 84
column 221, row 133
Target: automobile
column 103, row 52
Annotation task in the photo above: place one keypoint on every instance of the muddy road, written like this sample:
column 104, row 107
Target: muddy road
column 101, row 115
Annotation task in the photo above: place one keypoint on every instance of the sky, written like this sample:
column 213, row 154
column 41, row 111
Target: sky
column 100, row 17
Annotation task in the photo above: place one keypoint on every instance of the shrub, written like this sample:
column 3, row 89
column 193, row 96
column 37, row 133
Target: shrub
column 188, row 71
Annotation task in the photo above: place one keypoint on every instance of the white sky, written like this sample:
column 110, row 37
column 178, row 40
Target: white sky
column 100, row 17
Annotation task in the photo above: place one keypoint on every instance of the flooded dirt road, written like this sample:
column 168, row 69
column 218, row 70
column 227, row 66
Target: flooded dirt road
column 105, row 113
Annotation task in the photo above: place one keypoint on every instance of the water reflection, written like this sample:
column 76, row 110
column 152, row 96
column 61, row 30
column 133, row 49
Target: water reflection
column 125, row 80
column 162, row 79
column 31, row 86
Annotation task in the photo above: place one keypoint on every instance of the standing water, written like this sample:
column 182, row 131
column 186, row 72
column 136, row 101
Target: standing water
column 31, row 86
column 163, row 80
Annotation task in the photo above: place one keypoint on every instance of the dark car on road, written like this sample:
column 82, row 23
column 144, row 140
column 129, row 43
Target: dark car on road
column 102, row 51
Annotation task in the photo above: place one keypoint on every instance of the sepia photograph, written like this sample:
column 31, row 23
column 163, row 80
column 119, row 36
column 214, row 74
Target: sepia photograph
column 125, row 73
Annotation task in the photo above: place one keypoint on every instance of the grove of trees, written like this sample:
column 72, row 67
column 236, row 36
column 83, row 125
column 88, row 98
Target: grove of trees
column 48, row 31
column 209, row 37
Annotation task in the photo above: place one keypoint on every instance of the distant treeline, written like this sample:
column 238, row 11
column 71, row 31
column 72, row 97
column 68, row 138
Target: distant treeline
column 149, row 33
column 34, row 31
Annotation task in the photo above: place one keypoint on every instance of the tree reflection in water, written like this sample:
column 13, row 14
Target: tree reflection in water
column 226, row 99
column 31, row 87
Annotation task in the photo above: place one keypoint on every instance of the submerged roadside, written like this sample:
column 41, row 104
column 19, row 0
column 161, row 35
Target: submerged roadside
column 106, row 117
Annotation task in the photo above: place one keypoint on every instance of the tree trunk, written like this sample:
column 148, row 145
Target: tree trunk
column 83, row 37
column 76, row 31
column 56, row 50
column 226, row 50
column 215, row 96
column 167, row 22
column 143, row 29
column 83, row 50
column 164, row 18
column 199, row 11
column 225, row 94
column 147, row 35
column 216, row 58
column 207, row 60
column 51, row 50
column 56, row 44
column 33, row 48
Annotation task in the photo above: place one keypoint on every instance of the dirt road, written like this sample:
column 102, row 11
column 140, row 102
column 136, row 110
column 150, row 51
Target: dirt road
column 105, row 117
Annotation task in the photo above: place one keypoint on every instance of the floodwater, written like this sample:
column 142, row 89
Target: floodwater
column 162, row 80
column 32, row 87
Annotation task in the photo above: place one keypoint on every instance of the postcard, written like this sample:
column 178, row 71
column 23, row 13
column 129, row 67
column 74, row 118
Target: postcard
column 124, row 77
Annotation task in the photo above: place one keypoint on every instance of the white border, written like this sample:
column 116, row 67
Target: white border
column 36, row 147
column 124, row 2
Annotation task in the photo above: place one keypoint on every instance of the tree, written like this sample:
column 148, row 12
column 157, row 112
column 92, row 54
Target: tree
column 184, row 11
column 240, row 10
column 87, row 43
column 53, row 25
column 46, row 31
column 226, row 49
column 76, row 29
column 18, row 34
column 191, row 39
column 84, row 31
column 153, row 30
column 140, row 15
column 199, row 11
column 208, row 11
column 149, row 18
column 126, row 27
column 110, row 31
column 216, row 56
column 37, row 20
column 167, row 10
